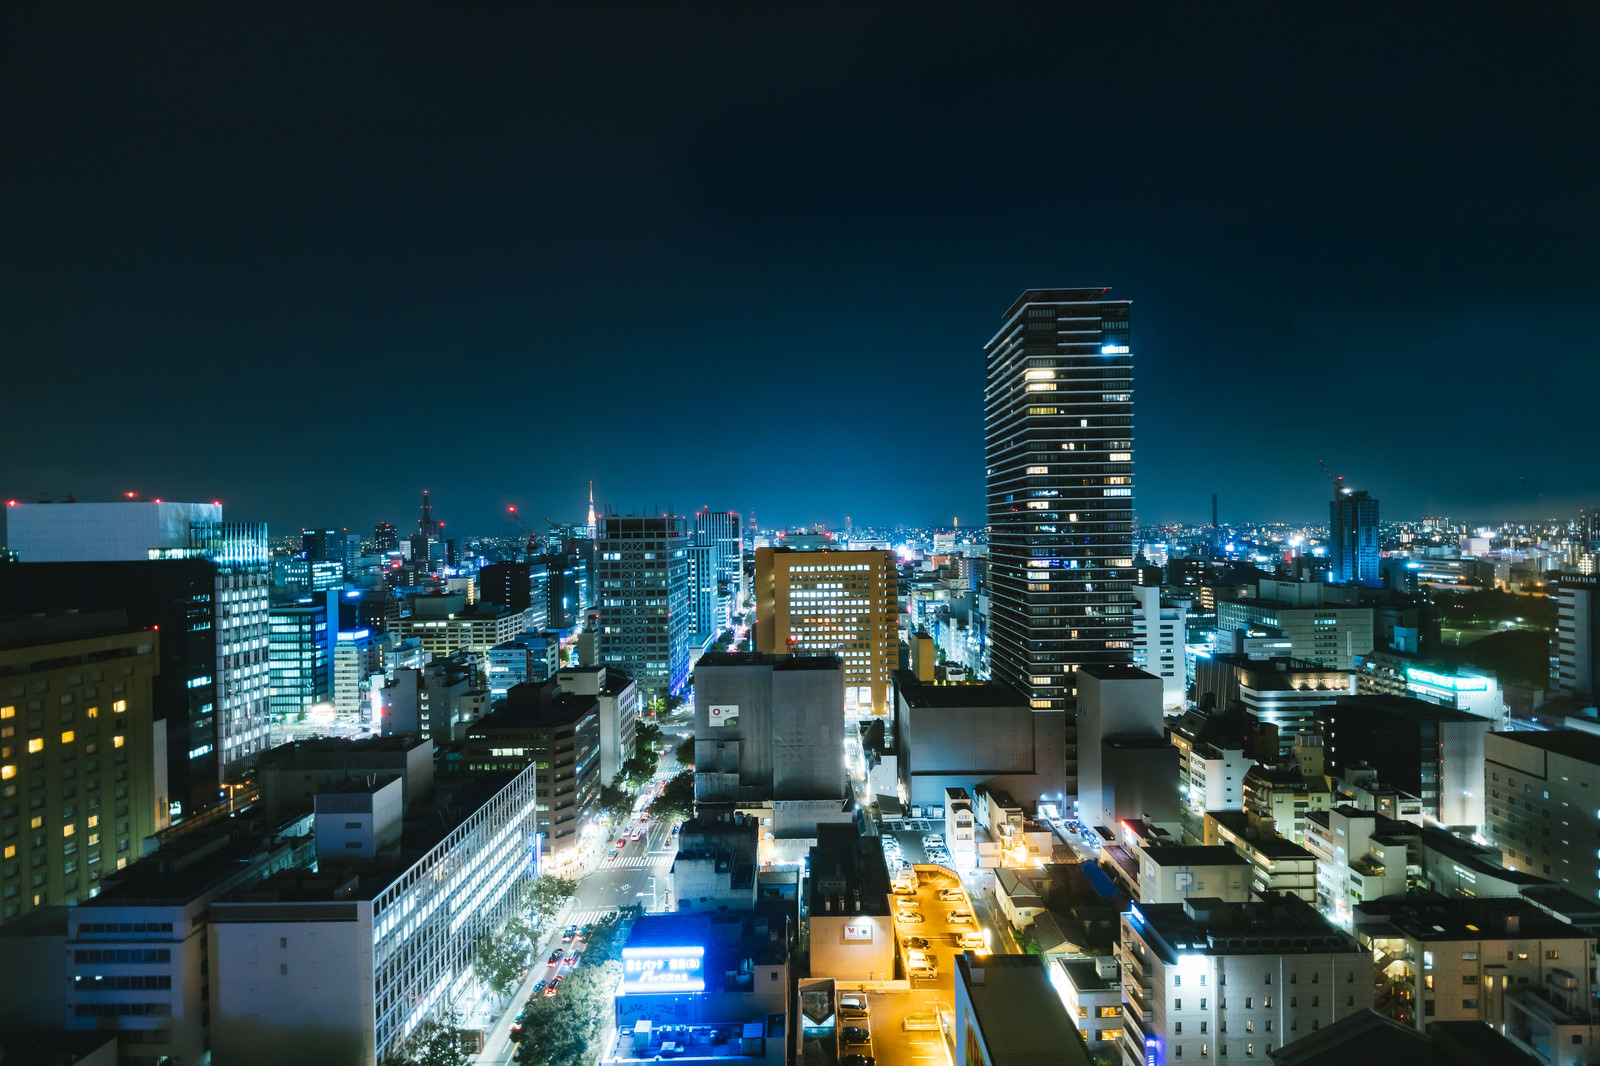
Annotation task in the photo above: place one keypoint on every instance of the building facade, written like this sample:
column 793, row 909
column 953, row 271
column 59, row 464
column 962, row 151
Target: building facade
column 1058, row 413
column 643, row 598
column 82, row 765
column 1353, row 529
column 844, row 603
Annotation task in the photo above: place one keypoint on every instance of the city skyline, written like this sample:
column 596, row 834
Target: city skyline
column 251, row 282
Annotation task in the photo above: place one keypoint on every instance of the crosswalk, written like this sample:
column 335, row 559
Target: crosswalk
column 635, row 862
column 590, row 915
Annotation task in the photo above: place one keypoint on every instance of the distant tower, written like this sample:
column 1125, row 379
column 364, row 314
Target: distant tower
column 591, row 511
column 426, row 525
column 1353, row 528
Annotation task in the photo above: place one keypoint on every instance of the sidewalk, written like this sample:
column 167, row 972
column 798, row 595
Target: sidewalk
column 498, row 1047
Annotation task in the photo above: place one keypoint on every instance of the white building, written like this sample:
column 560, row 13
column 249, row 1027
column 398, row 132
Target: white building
column 1216, row 777
column 1361, row 856
column 618, row 708
column 1160, row 635
column 1205, row 981
column 357, row 661
column 342, row 965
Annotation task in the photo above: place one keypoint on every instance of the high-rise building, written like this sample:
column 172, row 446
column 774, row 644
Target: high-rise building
column 385, row 538
column 722, row 530
column 1058, row 415
column 844, row 603
column 122, row 543
column 300, row 642
column 1577, row 637
column 1353, row 529
column 643, row 598
column 82, row 767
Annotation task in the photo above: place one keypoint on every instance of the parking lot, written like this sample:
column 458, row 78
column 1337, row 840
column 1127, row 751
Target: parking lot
column 905, row 1028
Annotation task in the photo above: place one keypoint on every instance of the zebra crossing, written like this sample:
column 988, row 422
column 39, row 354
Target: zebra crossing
column 636, row 862
column 590, row 915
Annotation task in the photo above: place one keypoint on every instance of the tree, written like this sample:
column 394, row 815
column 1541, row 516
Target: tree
column 676, row 802
column 647, row 735
column 684, row 752
column 503, row 957
column 546, row 895
column 616, row 804
column 433, row 1043
column 565, row 1030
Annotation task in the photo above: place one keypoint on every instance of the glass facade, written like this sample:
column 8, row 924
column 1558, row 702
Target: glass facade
column 643, row 598
column 1058, row 411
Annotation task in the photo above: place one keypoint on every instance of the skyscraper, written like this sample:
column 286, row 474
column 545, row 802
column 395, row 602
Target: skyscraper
column 643, row 598
column 1353, row 526
column 1058, row 414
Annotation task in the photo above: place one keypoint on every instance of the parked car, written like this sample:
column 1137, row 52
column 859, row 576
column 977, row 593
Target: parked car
column 911, row 917
column 854, row 1034
column 858, row 1060
column 919, row 942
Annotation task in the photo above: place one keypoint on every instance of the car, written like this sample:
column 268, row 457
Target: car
column 622, row 842
column 555, row 957
column 854, row 1034
column 552, row 989
column 537, row 989
column 568, row 933
column 611, row 854
column 858, row 1060
column 919, row 942
column 970, row 940
column 572, row 960
column 952, row 894
column 911, row 917
column 853, row 1003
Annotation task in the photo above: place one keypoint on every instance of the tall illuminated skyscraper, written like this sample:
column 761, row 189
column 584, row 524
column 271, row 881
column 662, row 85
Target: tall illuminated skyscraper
column 1353, row 525
column 1058, row 414
column 643, row 600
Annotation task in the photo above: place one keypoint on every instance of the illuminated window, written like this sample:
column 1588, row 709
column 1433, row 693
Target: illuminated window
column 116, row 741
column 68, row 736
column 7, row 772
column 35, row 745
column 93, row 712
column 1040, row 375
column 1038, row 469
column 120, row 706
column 94, row 820
column 1042, row 386
column 36, row 823
column 68, row 829
column 8, row 712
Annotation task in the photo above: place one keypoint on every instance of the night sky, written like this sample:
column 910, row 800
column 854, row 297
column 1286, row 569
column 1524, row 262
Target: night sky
column 747, row 256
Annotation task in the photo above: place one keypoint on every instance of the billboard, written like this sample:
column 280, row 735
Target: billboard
column 723, row 715
column 662, row 970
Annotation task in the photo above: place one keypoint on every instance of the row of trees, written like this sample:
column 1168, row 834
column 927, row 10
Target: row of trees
column 565, row 1030
column 641, row 765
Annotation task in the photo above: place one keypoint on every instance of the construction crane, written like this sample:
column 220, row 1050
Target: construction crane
column 532, row 545
column 1337, row 479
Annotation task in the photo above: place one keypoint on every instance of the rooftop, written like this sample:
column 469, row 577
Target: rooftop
column 969, row 694
column 535, row 705
column 1195, row 855
column 1573, row 743
column 772, row 659
column 32, row 630
column 1429, row 917
column 1018, row 1011
column 1276, row 924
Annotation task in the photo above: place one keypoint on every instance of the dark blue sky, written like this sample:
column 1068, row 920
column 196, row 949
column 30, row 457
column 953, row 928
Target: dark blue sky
column 748, row 255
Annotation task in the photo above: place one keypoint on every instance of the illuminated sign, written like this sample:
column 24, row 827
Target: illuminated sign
column 725, row 715
column 662, row 970
column 1459, row 684
column 858, row 931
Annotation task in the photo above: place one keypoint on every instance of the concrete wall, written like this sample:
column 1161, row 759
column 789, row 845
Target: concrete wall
column 290, row 991
column 836, row 954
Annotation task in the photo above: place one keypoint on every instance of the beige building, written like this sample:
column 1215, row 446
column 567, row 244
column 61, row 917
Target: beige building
column 82, row 767
column 844, row 603
column 475, row 629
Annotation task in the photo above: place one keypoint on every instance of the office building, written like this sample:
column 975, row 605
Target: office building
column 722, row 531
column 358, row 668
column 1277, row 691
column 300, row 643
column 1160, row 634
column 446, row 625
column 1353, row 532
column 618, row 705
column 973, row 736
column 290, row 775
column 343, row 964
column 1463, row 960
column 1207, row 981
column 643, row 599
column 710, row 612
column 1058, row 414
column 1276, row 864
column 518, row 586
column 716, row 863
column 525, row 657
column 1318, row 627
column 843, row 603
column 1540, row 794
column 1576, row 644
column 560, row 734
column 82, row 765
column 385, row 538
column 180, row 567
column 1428, row 751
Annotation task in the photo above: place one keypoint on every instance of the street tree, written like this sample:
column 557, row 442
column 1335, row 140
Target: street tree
column 684, row 753
column 503, row 957
column 433, row 1043
column 546, row 895
column 676, row 802
column 616, row 804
